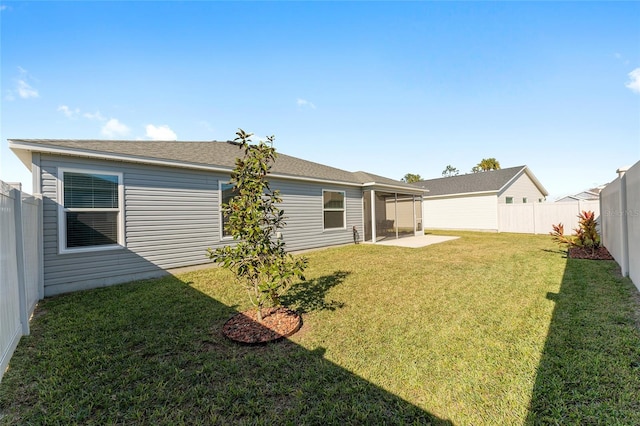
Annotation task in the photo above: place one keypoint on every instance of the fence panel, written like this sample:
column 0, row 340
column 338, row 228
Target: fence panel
column 31, row 247
column 538, row 218
column 21, row 283
column 516, row 218
column 621, row 225
column 10, row 324
column 632, row 178
column 612, row 234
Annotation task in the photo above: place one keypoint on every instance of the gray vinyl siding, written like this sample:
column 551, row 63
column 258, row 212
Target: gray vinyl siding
column 171, row 217
column 302, row 205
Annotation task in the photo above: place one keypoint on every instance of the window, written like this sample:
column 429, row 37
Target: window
column 524, row 200
column 509, row 200
column 226, row 194
column 90, row 216
column 333, row 209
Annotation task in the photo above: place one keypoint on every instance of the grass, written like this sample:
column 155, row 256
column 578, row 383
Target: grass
column 487, row 329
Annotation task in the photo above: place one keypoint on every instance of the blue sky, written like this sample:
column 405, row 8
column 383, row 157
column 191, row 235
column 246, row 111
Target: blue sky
column 385, row 87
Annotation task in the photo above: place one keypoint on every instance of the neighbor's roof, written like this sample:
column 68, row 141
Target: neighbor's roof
column 481, row 182
column 210, row 155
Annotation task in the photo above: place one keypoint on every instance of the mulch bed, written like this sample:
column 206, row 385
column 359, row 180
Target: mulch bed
column 583, row 253
column 276, row 324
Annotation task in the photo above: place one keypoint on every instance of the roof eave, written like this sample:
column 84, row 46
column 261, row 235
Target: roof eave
column 402, row 188
column 24, row 149
column 24, row 155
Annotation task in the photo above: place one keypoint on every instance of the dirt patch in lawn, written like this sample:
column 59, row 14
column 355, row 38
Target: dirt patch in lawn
column 586, row 253
column 276, row 324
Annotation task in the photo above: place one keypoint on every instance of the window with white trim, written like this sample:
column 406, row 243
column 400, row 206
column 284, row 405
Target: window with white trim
column 90, row 211
column 333, row 209
column 226, row 194
column 509, row 200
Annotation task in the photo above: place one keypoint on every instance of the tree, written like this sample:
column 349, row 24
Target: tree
column 258, row 259
column 486, row 164
column 450, row 171
column 411, row 178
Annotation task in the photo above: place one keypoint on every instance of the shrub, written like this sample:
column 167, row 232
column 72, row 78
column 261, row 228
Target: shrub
column 258, row 259
column 586, row 234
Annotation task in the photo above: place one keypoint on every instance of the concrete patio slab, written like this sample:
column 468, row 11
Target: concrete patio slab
column 417, row 241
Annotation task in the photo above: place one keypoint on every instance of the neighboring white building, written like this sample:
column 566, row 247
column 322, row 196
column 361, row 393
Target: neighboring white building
column 590, row 194
column 471, row 201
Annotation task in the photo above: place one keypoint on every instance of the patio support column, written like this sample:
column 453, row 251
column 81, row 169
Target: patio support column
column 373, row 216
column 395, row 212
column 413, row 210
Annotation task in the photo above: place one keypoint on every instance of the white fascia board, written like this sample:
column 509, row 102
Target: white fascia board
column 404, row 189
column 461, row 194
column 536, row 181
column 23, row 151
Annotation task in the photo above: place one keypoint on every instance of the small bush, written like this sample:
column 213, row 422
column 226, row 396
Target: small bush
column 586, row 234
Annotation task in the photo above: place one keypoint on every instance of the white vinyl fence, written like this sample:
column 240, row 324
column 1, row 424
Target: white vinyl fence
column 538, row 218
column 620, row 201
column 21, row 283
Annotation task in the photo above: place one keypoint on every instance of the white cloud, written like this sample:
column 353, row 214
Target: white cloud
column 22, row 88
column 634, row 83
column 304, row 103
column 95, row 116
column 70, row 113
column 114, row 128
column 160, row 133
column 25, row 91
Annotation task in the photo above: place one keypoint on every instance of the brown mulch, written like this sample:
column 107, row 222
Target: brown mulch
column 583, row 253
column 276, row 324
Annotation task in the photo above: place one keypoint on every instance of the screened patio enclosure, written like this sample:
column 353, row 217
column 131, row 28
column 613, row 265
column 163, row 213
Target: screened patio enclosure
column 391, row 215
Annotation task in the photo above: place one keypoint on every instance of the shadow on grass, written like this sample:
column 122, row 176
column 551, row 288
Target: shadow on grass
column 558, row 251
column 152, row 352
column 308, row 296
column 590, row 367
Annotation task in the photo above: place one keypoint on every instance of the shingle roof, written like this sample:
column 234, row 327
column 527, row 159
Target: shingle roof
column 364, row 177
column 489, row 181
column 190, row 153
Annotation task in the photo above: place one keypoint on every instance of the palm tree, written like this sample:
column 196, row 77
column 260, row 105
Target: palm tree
column 486, row 164
column 450, row 171
column 411, row 178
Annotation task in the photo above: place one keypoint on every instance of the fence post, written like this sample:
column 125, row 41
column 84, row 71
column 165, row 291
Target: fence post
column 624, row 225
column 22, row 289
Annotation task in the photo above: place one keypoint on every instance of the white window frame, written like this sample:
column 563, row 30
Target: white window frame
column 343, row 210
column 220, row 213
column 62, row 210
column 506, row 200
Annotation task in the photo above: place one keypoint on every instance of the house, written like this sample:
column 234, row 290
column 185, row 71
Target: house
column 471, row 201
column 116, row 211
column 588, row 195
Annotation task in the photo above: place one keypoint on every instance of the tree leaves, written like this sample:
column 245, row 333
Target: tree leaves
column 258, row 259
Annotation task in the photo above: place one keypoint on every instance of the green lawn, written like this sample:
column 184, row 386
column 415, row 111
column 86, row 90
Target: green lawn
column 488, row 329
